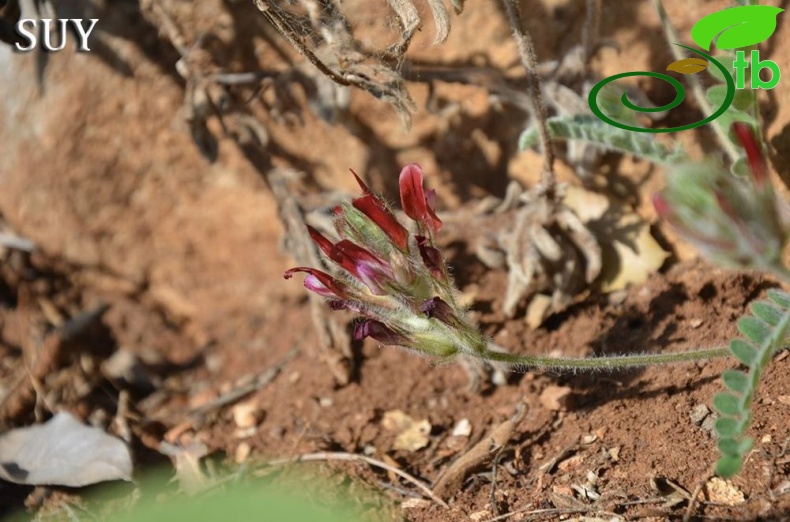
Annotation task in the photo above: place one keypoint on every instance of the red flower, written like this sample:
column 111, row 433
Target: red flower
column 319, row 282
column 415, row 202
column 754, row 155
column 362, row 264
column 375, row 210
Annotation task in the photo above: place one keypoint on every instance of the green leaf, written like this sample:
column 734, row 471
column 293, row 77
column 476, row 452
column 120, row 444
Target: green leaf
column 779, row 297
column 754, row 329
column 767, row 312
column 745, row 446
column 727, row 403
column 726, row 427
column 590, row 129
column 728, row 446
column 743, row 351
column 728, row 465
column 736, row 381
column 736, row 27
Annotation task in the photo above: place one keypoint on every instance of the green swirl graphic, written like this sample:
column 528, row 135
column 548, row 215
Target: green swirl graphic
column 680, row 95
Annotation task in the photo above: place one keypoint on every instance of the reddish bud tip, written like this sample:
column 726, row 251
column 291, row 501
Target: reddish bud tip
column 323, row 243
column 365, row 188
column 414, row 201
column 375, row 210
column 754, row 155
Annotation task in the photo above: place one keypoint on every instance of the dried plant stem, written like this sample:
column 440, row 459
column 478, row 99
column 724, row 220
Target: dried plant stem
column 601, row 363
column 526, row 50
column 326, row 456
column 696, row 86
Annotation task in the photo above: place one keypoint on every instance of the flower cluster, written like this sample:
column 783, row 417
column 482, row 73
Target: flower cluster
column 731, row 220
column 396, row 280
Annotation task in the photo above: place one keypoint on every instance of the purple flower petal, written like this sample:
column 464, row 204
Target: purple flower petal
column 378, row 331
column 438, row 309
column 431, row 257
column 318, row 282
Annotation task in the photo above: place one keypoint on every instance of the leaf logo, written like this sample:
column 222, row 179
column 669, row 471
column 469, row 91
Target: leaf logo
column 736, row 27
column 688, row 66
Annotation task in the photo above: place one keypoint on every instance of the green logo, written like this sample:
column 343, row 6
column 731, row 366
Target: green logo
column 731, row 28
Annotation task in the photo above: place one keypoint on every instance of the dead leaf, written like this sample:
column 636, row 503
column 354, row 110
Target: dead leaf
column 630, row 253
column 452, row 479
column 412, row 435
column 63, row 452
column 688, row 66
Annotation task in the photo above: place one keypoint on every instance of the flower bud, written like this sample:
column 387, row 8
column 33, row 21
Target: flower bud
column 731, row 220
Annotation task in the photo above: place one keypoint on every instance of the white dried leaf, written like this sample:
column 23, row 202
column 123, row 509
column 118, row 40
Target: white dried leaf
column 63, row 452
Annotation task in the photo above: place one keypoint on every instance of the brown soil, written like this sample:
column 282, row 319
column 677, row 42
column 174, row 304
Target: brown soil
column 99, row 170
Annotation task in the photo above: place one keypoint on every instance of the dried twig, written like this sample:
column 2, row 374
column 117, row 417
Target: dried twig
column 197, row 415
column 352, row 457
column 334, row 341
column 453, row 478
column 694, row 499
column 526, row 50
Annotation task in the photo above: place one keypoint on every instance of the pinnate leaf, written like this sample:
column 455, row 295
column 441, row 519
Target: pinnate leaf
column 727, row 404
column 728, row 465
column 779, row 297
column 767, row 312
column 736, row 381
column 726, row 427
column 743, row 351
column 754, row 329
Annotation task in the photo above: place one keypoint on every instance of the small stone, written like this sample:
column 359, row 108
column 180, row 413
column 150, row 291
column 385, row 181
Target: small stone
column 784, row 399
column 614, row 453
column 589, row 438
column 709, row 424
column 723, row 492
column 463, row 428
column 326, row 402
column 556, row 398
column 698, row 414
column 247, row 414
column 416, row 503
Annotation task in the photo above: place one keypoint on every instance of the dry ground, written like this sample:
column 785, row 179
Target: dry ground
column 98, row 169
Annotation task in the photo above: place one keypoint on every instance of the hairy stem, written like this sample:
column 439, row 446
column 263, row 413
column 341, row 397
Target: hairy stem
column 526, row 51
column 601, row 363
